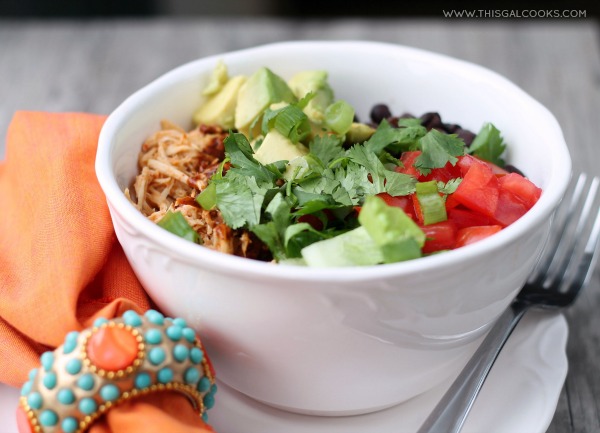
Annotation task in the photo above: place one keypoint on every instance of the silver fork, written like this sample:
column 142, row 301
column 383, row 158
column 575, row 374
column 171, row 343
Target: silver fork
column 563, row 270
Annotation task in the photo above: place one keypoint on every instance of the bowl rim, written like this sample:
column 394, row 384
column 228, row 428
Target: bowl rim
column 203, row 257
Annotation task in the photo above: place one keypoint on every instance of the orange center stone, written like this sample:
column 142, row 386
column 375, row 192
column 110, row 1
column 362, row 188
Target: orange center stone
column 112, row 348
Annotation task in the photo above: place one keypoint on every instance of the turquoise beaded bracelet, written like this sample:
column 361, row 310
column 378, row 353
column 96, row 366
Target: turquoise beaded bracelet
column 112, row 362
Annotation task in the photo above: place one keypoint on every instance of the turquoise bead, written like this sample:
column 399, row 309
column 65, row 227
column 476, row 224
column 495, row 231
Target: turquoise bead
column 189, row 334
column 165, row 375
column 70, row 342
column 174, row 332
column 180, row 352
column 26, row 389
column 65, row 396
column 132, row 318
column 109, row 392
column 191, row 375
column 87, row 406
column 155, row 317
column 69, row 425
column 196, row 355
column 204, row 384
column 153, row 336
column 49, row 380
column 47, row 360
column 156, row 355
column 143, row 380
column 33, row 373
column 213, row 389
column 73, row 366
column 179, row 322
column 34, row 400
column 48, row 418
column 86, row 382
column 209, row 401
column 100, row 321
column 205, row 417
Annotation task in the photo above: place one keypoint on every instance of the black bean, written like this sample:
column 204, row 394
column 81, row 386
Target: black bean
column 406, row 116
column 431, row 120
column 512, row 169
column 451, row 128
column 380, row 112
column 466, row 135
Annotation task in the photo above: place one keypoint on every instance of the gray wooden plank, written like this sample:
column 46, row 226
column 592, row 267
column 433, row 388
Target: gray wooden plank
column 93, row 66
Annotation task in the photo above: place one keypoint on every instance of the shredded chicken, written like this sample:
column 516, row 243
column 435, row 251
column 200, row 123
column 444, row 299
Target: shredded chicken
column 174, row 167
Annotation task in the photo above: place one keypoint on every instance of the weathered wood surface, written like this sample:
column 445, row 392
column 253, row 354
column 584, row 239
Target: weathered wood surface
column 94, row 65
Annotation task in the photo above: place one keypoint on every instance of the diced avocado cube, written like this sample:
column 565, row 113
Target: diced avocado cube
column 217, row 80
column 277, row 147
column 359, row 133
column 261, row 90
column 220, row 108
column 316, row 82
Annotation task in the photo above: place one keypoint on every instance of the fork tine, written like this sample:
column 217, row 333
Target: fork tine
column 565, row 251
column 584, row 269
column 550, row 250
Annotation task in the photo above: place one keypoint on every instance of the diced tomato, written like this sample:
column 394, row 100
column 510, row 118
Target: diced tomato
column 451, row 202
column 469, row 235
column 510, row 208
column 521, row 187
column 466, row 218
column 479, row 190
column 403, row 202
column 418, row 212
column 465, row 162
column 444, row 174
column 439, row 236
column 408, row 160
column 313, row 220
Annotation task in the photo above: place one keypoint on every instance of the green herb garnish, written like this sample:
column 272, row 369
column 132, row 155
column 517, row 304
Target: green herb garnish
column 489, row 145
column 176, row 223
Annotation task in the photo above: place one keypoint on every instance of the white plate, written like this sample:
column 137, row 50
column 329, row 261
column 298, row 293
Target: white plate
column 520, row 395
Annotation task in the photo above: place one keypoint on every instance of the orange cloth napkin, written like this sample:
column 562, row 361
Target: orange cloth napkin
column 61, row 266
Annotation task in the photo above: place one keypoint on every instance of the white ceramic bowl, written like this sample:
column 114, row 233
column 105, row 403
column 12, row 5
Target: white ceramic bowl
column 352, row 340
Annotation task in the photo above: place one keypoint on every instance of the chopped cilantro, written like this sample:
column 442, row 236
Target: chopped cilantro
column 488, row 145
column 437, row 149
column 240, row 154
column 395, row 139
column 450, row 186
column 240, row 200
column 327, row 148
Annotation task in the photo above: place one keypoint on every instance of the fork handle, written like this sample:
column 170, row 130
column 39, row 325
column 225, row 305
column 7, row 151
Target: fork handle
column 451, row 412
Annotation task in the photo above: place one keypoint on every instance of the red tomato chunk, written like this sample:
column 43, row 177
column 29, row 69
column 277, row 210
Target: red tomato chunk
column 469, row 235
column 439, row 236
column 488, row 199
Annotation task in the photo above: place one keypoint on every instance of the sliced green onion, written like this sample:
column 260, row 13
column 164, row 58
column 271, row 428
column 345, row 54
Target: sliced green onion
column 268, row 120
column 208, row 197
column 176, row 223
column 339, row 117
column 432, row 204
column 292, row 123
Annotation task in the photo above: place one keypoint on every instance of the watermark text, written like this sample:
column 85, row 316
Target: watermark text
column 514, row 13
